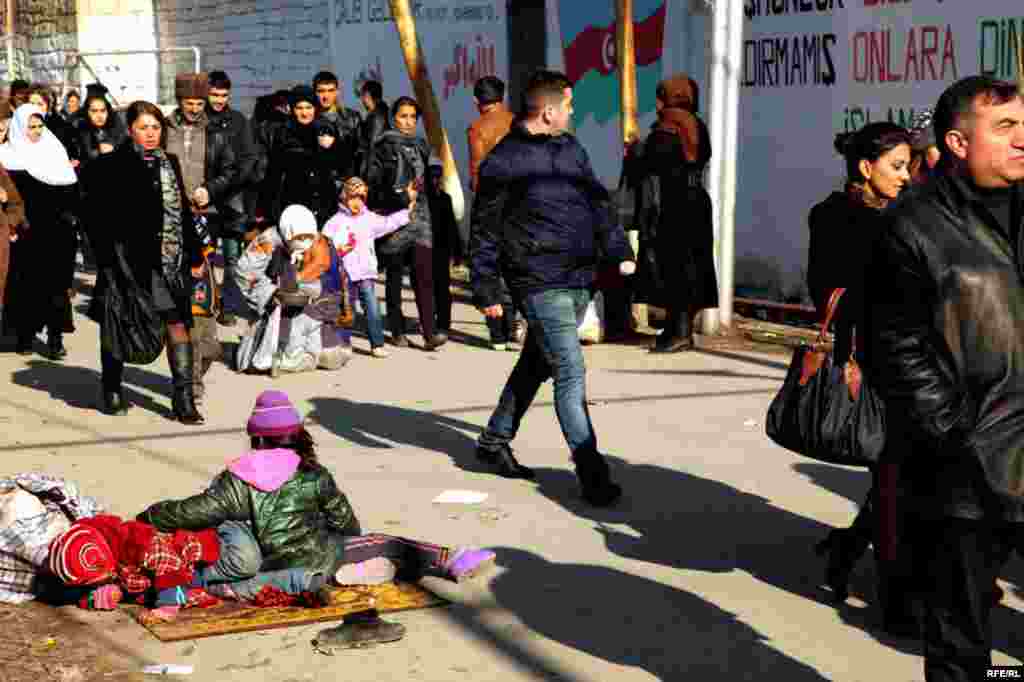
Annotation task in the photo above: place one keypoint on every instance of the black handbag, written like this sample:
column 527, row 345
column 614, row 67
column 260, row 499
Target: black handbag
column 132, row 331
column 825, row 412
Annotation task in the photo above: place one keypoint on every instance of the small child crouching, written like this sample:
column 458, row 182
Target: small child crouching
column 353, row 231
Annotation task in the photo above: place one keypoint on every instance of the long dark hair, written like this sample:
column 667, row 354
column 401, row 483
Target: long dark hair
column 869, row 144
column 301, row 442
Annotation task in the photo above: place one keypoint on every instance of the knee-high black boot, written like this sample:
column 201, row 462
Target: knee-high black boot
column 183, row 398
column 114, row 402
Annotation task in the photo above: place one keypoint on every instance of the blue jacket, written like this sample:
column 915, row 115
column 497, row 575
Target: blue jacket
column 541, row 219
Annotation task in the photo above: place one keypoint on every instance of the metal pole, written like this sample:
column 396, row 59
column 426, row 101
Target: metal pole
column 727, row 232
column 717, row 121
column 331, row 9
column 420, row 77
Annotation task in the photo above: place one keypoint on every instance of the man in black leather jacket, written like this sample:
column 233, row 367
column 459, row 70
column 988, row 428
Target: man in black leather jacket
column 344, row 123
column 233, row 213
column 946, row 350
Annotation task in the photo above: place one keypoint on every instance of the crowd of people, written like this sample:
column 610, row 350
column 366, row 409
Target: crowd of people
column 925, row 238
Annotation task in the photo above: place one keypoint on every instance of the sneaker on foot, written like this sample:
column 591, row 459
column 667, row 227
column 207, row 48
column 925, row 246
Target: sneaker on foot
column 467, row 563
column 380, row 352
column 498, row 346
column 370, row 572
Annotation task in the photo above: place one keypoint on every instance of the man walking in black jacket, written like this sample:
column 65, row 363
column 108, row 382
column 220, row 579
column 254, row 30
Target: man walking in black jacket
column 946, row 350
column 540, row 219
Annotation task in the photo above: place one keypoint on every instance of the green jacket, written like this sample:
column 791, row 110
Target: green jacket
column 298, row 525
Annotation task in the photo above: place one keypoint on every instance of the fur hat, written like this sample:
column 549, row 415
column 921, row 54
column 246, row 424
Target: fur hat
column 922, row 131
column 192, row 85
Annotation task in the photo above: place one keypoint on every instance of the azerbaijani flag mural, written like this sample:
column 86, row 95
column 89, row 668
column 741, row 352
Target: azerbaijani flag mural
column 588, row 38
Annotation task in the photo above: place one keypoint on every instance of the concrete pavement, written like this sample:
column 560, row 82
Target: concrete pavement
column 705, row 571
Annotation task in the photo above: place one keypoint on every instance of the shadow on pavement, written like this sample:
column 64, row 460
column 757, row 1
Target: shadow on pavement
column 626, row 620
column 79, row 387
column 684, row 521
column 700, row 373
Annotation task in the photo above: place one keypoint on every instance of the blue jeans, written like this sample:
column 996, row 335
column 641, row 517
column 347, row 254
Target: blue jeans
column 366, row 290
column 552, row 350
column 240, row 562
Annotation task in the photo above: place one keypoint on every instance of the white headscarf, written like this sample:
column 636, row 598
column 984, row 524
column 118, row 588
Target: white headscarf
column 296, row 221
column 46, row 160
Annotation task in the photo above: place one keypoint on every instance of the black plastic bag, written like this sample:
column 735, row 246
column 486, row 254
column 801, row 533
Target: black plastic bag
column 132, row 331
column 825, row 412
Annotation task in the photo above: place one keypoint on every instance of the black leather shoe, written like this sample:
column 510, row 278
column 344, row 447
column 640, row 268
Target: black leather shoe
column 55, row 349
column 844, row 550
column 504, row 463
column 672, row 345
column 399, row 341
column 114, row 403
column 436, row 341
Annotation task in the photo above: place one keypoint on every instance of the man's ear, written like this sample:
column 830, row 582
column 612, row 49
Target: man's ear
column 957, row 143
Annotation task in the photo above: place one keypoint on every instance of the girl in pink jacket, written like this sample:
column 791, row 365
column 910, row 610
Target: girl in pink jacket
column 353, row 230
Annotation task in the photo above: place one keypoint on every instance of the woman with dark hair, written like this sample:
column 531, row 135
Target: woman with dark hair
column 401, row 157
column 843, row 229
column 99, row 131
column 284, row 523
column 72, row 103
column 302, row 162
column 42, row 259
column 676, row 268
column 138, row 217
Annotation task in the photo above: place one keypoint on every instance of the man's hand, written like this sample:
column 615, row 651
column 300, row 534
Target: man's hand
column 106, row 147
column 493, row 312
column 200, row 270
column 201, row 197
column 3, row 196
column 413, row 193
column 326, row 141
column 627, row 268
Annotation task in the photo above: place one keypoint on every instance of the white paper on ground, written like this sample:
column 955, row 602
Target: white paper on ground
column 460, row 497
column 167, row 669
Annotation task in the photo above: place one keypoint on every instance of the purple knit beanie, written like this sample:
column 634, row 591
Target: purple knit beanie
column 274, row 415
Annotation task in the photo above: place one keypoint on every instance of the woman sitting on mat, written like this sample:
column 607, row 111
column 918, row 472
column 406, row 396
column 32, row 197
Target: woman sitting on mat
column 285, row 526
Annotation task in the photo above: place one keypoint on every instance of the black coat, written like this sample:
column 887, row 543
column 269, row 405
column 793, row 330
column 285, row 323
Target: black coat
column 232, row 208
column 674, row 216
column 42, row 264
column 393, row 166
column 541, row 219
column 300, row 172
column 125, row 207
column 945, row 290
column 843, row 230
column 344, row 126
column 374, row 124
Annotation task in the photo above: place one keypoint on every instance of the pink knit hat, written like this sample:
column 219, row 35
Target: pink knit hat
column 274, row 415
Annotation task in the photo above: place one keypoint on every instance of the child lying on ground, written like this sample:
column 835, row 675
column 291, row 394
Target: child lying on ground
column 284, row 526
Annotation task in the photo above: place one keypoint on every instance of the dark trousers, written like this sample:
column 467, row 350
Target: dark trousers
column 443, row 286
column 500, row 328
column 421, row 260
column 959, row 562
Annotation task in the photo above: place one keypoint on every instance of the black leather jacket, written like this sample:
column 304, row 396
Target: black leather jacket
column 232, row 211
column 945, row 305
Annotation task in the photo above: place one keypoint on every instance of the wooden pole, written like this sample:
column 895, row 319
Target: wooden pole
column 9, row 9
column 1020, row 65
column 625, row 53
column 420, row 77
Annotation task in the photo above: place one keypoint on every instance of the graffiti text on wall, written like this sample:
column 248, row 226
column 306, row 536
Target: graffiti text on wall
column 854, row 118
column 926, row 53
column 786, row 61
column 759, row 8
column 469, row 64
column 998, row 43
